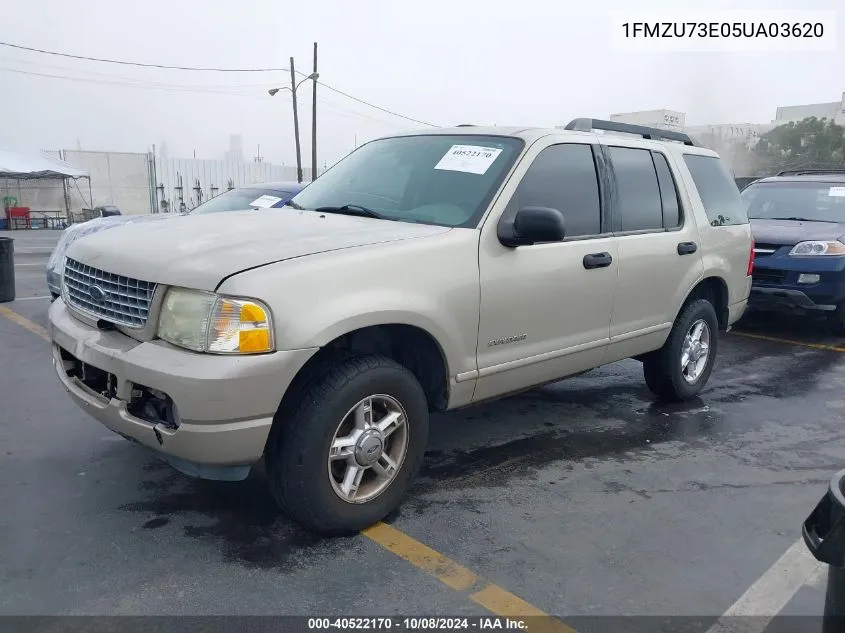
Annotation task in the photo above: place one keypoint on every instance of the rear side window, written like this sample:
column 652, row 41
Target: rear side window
column 668, row 192
column 639, row 206
column 717, row 190
column 563, row 177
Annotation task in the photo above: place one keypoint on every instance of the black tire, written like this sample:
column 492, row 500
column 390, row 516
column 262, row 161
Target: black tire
column 296, row 455
column 662, row 368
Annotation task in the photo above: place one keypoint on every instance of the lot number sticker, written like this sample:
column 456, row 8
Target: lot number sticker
column 264, row 201
column 468, row 158
column 838, row 192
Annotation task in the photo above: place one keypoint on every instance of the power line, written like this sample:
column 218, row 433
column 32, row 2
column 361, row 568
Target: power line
column 372, row 105
column 129, row 83
column 208, row 69
column 143, row 65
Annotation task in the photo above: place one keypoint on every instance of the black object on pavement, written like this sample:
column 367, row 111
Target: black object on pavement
column 824, row 534
column 7, row 269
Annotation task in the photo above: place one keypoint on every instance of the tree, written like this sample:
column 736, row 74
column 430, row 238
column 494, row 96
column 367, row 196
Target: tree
column 809, row 144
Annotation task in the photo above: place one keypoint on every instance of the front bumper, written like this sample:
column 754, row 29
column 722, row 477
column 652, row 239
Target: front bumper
column 785, row 300
column 225, row 404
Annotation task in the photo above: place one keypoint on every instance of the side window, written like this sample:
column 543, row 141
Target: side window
column 563, row 177
column 717, row 190
column 639, row 194
column 668, row 192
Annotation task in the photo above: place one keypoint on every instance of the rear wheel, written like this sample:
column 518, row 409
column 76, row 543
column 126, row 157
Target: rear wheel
column 680, row 369
column 357, row 438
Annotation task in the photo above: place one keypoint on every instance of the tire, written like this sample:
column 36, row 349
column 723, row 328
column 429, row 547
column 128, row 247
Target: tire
column 662, row 369
column 297, row 456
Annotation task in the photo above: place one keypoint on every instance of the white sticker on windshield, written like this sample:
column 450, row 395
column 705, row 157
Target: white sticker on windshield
column 472, row 159
column 265, row 201
column 838, row 192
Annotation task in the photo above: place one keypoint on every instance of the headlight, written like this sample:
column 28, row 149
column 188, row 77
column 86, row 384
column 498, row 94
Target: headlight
column 818, row 248
column 207, row 322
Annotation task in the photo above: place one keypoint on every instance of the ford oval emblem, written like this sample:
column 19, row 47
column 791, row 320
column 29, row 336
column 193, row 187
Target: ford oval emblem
column 96, row 293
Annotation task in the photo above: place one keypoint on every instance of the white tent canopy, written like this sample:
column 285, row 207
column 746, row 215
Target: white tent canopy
column 41, row 165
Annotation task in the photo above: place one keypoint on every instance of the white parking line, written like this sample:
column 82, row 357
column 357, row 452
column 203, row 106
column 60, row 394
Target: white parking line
column 771, row 593
column 42, row 264
column 33, row 298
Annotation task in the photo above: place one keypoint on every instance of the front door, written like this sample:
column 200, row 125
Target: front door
column 545, row 308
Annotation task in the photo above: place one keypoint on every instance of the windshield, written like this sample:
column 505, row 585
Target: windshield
column 432, row 179
column 243, row 198
column 814, row 201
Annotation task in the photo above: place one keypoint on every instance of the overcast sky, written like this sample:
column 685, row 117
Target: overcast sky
column 530, row 62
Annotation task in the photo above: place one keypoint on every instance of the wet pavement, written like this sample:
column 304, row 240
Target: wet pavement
column 582, row 498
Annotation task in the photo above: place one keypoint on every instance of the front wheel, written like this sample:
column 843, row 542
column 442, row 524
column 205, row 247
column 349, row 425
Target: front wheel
column 347, row 455
column 680, row 369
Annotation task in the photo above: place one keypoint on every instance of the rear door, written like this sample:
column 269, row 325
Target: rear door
column 726, row 235
column 659, row 248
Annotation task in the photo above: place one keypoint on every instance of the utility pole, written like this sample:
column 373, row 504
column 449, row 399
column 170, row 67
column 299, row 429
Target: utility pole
column 314, row 121
column 295, row 122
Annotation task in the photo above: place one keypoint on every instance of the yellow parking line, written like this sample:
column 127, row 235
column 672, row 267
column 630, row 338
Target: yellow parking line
column 490, row 596
column 762, row 337
column 455, row 576
column 25, row 323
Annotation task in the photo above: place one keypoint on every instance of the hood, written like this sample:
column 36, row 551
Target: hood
column 95, row 225
column 790, row 232
column 200, row 251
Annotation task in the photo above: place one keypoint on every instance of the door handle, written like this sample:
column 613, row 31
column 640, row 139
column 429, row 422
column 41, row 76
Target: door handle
column 687, row 248
column 597, row 260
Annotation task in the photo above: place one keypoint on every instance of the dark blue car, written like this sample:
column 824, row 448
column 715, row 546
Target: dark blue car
column 798, row 223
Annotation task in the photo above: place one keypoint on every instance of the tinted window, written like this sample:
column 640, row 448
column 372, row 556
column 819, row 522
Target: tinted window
column 639, row 193
column 668, row 192
column 717, row 190
column 563, row 177
column 815, row 201
column 434, row 179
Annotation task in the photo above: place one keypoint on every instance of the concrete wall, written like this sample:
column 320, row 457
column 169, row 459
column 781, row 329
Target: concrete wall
column 117, row 178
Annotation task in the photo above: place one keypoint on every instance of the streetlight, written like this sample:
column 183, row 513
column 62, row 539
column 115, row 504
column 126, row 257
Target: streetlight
column 293, row 88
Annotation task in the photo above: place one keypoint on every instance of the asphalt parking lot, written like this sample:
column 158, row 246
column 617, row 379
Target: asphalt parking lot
column 582, row 498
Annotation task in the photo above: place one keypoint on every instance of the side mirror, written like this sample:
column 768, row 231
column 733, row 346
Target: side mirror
column 532, row 225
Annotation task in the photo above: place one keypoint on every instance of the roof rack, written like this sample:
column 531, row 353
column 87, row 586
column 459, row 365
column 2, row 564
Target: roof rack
column 651, row 133
column 808, row 172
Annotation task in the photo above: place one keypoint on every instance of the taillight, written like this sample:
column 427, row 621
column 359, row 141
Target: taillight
column 750, row 260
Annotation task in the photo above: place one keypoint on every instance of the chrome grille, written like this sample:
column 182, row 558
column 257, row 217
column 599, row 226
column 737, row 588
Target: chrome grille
column 115, row 298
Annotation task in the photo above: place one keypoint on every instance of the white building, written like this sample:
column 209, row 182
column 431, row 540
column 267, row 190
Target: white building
column 834, row 110
column 662, row 119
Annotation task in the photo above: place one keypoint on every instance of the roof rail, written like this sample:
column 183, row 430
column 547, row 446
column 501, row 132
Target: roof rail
column 465, row 125
column 809, row 172
column 651, row 133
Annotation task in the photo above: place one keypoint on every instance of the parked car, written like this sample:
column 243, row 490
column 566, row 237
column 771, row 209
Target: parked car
column 798, row 222
column 107, row 211
column 270, row 194
column 423, row 272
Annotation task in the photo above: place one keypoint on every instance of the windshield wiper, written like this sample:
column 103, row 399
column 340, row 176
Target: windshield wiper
column 353, row 209
column 294, row 205
column 794, row 219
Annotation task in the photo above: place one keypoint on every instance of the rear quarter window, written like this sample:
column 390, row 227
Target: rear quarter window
column 717, row 190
